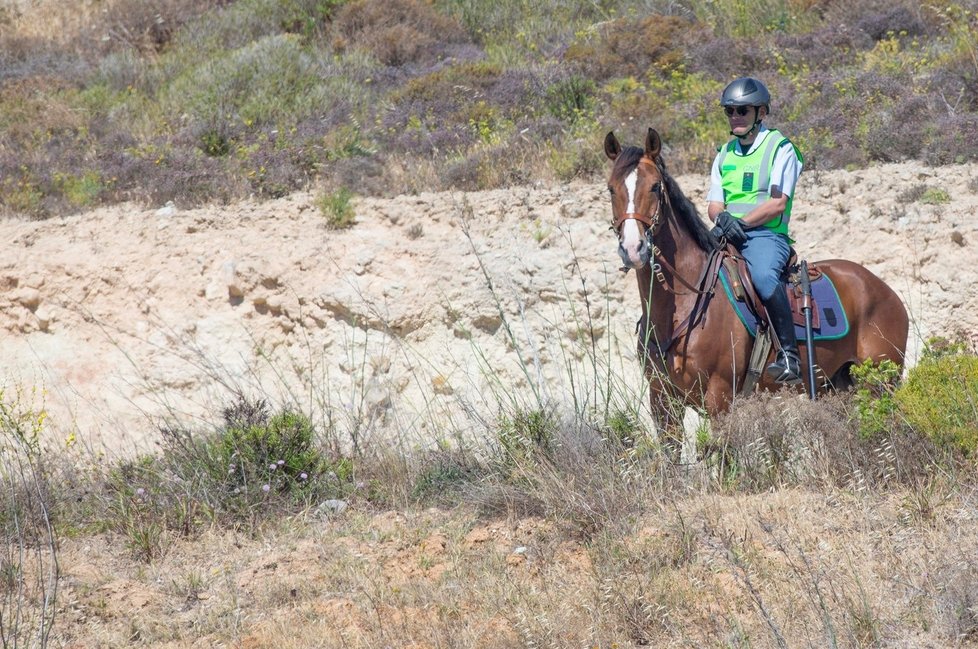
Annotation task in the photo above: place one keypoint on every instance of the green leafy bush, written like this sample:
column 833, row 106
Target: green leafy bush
column 271, row 79
column 571, row 99
column 337, row 207
column 935, row 196
column 81, row 190
column 274, row 453
column 874, row 400
column 523, row 437
column 940, row 396
column 257, row 465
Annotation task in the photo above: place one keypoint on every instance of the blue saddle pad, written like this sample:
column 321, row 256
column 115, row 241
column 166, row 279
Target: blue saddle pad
column 833, row 323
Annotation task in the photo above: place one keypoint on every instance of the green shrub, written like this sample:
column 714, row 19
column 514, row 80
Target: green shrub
column 22, row 195
column 523, row 437
column 310, row 18
column 81, row 190
column 275, row 455
column 255, row 466
column 337, row 207
column 214, row 143
column 272, row 79
column 746, row 18
column 940, row 396
column 571, row 99
column 875, row 404
column 935, row 196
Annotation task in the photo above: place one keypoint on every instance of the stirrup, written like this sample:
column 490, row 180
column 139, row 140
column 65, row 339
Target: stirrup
column 781, row 370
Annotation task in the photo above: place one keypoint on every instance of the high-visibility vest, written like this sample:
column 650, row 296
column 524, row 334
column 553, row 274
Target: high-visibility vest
column 746, row 179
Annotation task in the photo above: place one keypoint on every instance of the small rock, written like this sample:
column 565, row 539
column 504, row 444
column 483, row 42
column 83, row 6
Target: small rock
column 168, row 209
column 231, row 279
column 27, row 297
column 957, row 238
column 44, row 319
column 276, row 304
column 332, row 506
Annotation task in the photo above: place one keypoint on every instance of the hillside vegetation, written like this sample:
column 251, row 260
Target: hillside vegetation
column 200, row 101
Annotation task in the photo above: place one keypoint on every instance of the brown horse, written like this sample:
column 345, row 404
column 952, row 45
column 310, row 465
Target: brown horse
column 695, row 347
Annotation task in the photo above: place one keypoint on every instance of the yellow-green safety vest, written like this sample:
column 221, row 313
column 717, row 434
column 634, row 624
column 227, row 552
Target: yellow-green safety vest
column 746, row 179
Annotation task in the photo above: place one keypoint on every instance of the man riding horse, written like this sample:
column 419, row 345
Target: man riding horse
column 751, row 188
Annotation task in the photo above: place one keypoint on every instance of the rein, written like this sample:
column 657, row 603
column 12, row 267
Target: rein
column 651, row 223
column 703, row 288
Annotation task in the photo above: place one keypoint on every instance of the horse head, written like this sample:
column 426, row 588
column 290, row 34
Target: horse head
column 637, row 194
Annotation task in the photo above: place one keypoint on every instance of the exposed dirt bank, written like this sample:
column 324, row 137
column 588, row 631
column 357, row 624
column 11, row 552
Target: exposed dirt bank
column 423, row 312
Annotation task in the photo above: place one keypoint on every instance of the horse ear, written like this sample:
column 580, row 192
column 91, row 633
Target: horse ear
column 611, row 146
column 653, row 144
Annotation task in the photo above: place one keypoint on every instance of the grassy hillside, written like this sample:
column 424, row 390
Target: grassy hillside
column 198, row 101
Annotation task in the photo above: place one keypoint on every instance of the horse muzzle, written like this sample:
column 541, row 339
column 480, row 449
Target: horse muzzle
column 634, row 245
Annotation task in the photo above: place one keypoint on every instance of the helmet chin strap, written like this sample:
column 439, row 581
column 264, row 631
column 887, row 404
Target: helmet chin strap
column 757, row 122
column 753, row 128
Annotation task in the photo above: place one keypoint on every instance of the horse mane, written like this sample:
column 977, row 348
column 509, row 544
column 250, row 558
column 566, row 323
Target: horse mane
column 682, row 207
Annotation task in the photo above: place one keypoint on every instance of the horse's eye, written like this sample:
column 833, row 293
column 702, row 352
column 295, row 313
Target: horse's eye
column 656, row 188
column 611, row 190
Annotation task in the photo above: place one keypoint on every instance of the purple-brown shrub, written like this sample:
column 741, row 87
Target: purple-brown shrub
column 397, row 32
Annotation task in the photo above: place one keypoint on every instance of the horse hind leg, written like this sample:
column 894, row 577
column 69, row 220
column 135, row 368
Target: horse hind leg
column 842, row 380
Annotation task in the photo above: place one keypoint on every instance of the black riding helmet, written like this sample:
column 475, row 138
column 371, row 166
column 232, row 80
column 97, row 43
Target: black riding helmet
column 746, row 91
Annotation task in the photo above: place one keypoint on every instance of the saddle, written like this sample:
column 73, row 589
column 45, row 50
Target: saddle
column 738, row 276
column 829, row 321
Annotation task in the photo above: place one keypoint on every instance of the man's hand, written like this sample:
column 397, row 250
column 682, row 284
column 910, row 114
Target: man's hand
column 729, row 227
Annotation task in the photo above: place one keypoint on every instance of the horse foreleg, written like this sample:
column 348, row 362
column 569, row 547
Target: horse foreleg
column 665, row 417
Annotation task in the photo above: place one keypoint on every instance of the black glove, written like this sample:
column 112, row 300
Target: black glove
column 729, row 228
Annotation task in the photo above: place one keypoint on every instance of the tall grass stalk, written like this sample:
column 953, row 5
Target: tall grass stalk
column 465, row 215
column 29, row 567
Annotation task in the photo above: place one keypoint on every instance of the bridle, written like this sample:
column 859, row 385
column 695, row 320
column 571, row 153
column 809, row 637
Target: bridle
column 651, row 224
column 704, row 286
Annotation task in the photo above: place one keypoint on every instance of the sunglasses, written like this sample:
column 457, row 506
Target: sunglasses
column 741, row 110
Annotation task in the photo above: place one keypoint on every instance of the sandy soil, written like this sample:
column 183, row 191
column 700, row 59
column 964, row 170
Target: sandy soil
column 422, row 315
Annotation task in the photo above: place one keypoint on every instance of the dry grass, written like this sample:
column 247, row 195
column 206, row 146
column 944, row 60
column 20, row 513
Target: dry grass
column 792, row 567
column 558, row 534
column 560, row 529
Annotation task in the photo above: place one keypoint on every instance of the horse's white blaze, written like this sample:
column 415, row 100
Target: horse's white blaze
column 631, row 234
column 630, row 183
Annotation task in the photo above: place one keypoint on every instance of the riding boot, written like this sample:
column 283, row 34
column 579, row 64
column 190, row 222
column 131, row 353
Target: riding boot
column 786, row 367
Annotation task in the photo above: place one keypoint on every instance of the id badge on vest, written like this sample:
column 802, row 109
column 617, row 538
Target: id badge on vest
column 748, row 183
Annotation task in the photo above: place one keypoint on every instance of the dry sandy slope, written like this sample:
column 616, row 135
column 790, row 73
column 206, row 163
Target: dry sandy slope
column 125, row 315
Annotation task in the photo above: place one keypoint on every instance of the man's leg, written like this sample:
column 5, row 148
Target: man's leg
column 786, row 367
column 766, row 254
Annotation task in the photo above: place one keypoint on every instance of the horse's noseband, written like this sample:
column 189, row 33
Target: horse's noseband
column 650, row 222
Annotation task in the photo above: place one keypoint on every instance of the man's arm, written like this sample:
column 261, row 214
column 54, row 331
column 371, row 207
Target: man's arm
column 714, row 208
column 784, row 177
column 766, row 211
column 715, row 195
